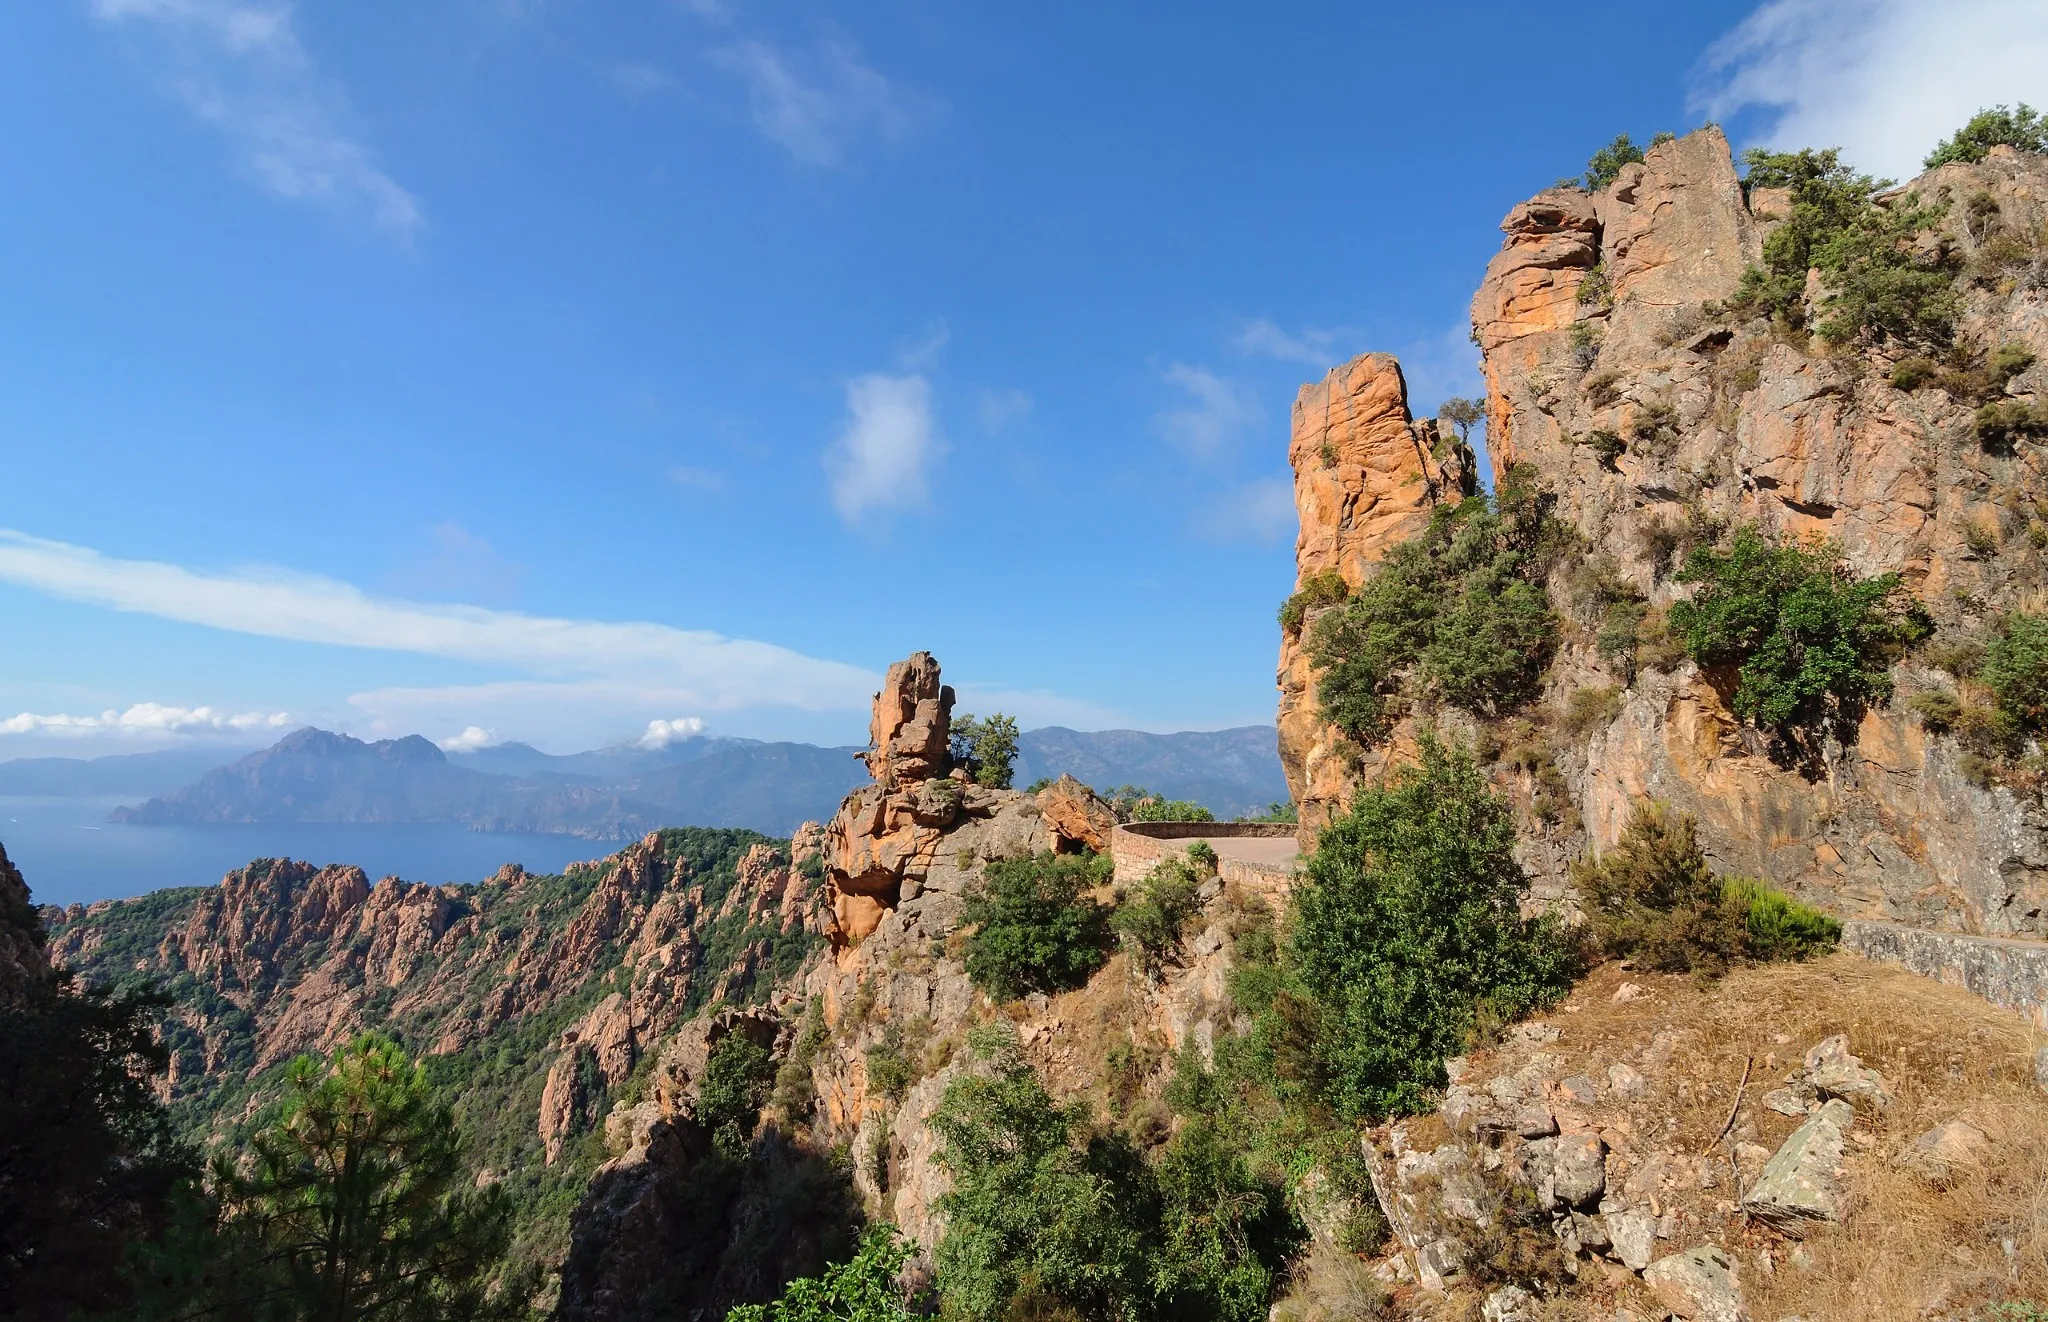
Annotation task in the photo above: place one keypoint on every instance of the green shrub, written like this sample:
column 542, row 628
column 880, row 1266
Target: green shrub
column 1275, row 812
column 1777, row 927
column 2023, row 128
column 1591, row 709
column 1813, row 642
column 892, row 1063
column 1606, row 446
column 1605, row 166
column 1879, row 286
column 1407, row 933
column 1169, row 810
column 1325, row 587
column 863, row 1289
column 2001, row 424
column 1150, row 918
column 1203, row 855
column 1654, row 899
column 1039, row 1207
column 2015, row 668
column 1048, row 1218
column 1938, row 709
column 1034, row 928
column 987, row 748
column 737, row 1080
column 1913, row 372
column 1456, row 604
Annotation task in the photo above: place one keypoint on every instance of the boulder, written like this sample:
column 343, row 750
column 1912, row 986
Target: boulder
column 910, row 732
column 1510, row 1303
column 1833, row 1071
column 1700, row 1285
column 1798, row 1184
column 1633, row 1236
column 1073, row 813
column 1579, row 1170
column 1944, row 1153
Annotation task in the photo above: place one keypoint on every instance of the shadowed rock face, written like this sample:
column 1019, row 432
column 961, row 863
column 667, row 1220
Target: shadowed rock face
column 1759, row 426
column 21, row 935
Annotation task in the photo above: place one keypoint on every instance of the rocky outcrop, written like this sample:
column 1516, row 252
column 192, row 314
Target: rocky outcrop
column 923, row 825
column 1601, row 319
column 1367, row 474
column 22, row 962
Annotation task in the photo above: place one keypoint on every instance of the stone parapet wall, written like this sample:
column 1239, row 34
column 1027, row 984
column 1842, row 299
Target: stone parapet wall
column 1138, row 847
column 2003, row 971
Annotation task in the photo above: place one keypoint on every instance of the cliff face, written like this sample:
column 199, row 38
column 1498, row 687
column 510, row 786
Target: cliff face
column 1602, row 314
column 1366, row 476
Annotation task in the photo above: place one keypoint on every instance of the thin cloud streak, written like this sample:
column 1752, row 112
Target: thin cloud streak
column 816, row 104
column 146, row 719
column 1884, row 80
column 726, row 672
column 1217, row 416
column 239, row 66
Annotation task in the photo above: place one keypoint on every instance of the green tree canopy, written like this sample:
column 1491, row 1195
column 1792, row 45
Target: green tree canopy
column 2023, row 128
column 1408, row 933
column 1035, row 929
column 1813, row 643
column 352, row 1205
column 987, row 748
column 862, row 1289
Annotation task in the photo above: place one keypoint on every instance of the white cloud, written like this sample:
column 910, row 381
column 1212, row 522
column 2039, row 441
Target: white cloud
column 472, row 738
column 239, row 66
column 1002, row 409
column 720, row 672
column 1216, row 418
column 146, row 719
column 1315, row 348
column 1884, row 80
column 1261, row 510
column 879, row 461
column 815, row 103
column 660, row 734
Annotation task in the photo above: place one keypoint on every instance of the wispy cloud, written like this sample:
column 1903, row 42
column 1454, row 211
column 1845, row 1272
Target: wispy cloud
column 696, row 479
column 1216, row 417
column 1882, row 79
column 1309, row 346
column 239, row 66
column 715, row 672
column 816, row 103
column 880, row 461
column 147, row 719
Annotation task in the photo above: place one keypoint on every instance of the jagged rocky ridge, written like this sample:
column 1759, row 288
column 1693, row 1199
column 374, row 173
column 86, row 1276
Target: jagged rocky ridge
column 1741, row 422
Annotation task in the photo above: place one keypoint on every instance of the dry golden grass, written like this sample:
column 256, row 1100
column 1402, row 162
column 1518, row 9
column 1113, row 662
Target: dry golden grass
column 1907, row 1250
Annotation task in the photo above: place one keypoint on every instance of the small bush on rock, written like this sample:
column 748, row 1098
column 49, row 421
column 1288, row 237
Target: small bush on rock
column 1150, row 918
column 2015, row 668
column 987, row 748
column 1812, row 642
column 1606, row 164
column 1325, row 587
column 1035, row 928
column 738, row 1078
column 1653, row 898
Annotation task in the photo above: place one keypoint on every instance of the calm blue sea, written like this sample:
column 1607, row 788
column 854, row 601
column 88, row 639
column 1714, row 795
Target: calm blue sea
column 70, row 853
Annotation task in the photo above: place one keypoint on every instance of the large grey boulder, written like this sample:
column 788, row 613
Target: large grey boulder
column 1942, row 1154
column 1798, row 1185
column 1633, row 1236
column 1700, row 1285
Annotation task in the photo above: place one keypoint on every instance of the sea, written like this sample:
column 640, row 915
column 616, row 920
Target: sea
column 69, row 852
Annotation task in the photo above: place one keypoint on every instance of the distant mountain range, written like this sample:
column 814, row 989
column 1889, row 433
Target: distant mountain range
column 614, row 793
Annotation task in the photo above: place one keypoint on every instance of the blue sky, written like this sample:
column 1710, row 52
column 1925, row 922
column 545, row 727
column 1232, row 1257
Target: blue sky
column 544, row 369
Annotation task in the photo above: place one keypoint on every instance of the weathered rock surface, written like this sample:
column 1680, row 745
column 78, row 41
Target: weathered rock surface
column 1600, row 314
column 1701, row 1285
column 22, row 962
column 1366, row 476
column 1799, row 1183
column 1946, row 1152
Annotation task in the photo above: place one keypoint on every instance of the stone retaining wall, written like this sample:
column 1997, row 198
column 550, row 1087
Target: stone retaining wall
column 1138, row 847
column 2005, row 972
